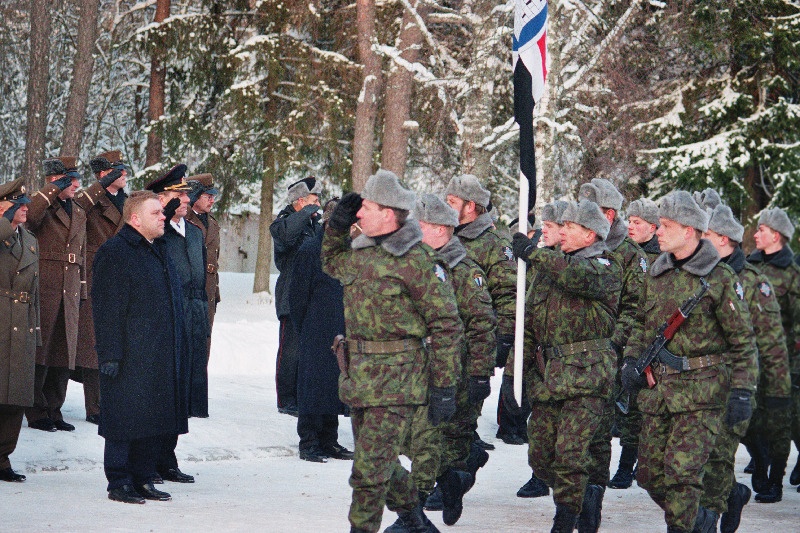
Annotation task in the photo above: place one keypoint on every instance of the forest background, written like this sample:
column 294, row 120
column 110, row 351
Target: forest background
column 652, row 95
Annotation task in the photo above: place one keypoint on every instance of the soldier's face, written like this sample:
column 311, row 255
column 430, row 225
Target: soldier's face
column 551, row 233
column 149, row 220
column 20, row 216
column 460, row 205
column 574, row 237
column 204, row 203
column 672, row 237
column 640, row 230
column 373, row 219
column 766, row 237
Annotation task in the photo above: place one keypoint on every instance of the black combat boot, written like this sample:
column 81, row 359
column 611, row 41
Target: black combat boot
column 454, row 484
column 706, row 521
column 415, row 521
column 400, row 527
column 476, row 460
column 591, row 511
column 564, row 521
column 624, row 477
column 759, row 452
column 534, row 488
column 434, row 501
column 737, row 499
column 794, row 477
column 751, row 467
column 774, row 490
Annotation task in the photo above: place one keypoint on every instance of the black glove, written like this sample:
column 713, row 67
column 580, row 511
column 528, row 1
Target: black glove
column 773, row 403
column 170, row 208
column 740, row 407
column 442, row 404
column 110, row 368
column 479, row 389
column 63, row 182
column 796, row 381
column 507, row 393
column 632, row 382
column 110, row 178
column 504, row 344
column 522, row 246
column 344, row 215
column 9, row 214
column 197, row 190
column 312, row 211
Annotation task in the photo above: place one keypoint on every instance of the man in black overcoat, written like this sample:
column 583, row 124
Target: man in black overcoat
column 137, row 311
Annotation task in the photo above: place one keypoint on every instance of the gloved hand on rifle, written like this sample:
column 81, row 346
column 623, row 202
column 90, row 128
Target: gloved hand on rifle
column 344, row 215
column 522, row 246
column 479, row 389
column 442, row 404
column 504, row 343
column 632, row 381
column 740, row 408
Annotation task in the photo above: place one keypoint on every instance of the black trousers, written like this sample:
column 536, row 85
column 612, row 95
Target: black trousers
column 286, row 365
column 49, row 393
column 10, row 426
column 128, row 462
column 317, row 430
column 166, row 453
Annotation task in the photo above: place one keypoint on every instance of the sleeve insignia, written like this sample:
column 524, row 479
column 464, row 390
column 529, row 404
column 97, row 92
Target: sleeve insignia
column 739, row 290
column 643, row 264
column 439, row 271
column 478, row 279
column 765, row 289
column 508, row 253
column 603, row 261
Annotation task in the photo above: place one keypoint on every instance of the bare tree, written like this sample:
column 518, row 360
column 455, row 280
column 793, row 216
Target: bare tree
column 82, row 70
column 264, row 257
column 158, row 78
column 367, row 107
column 38, row 76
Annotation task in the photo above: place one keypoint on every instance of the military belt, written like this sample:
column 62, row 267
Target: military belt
column 211, row 269
column 66, row 258
column 565, row 350
column 22, row 297
column 383, row 347
column 687, row 363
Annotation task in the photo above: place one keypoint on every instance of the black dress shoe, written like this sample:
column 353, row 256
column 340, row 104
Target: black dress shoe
column 480, row 442
column 511, row 438
column 149, row 492
column 7, row 474
column 336, row 451
column 176, row 476
column 93, row 419
column 63, row 426
column 290, row 409
column 313, row 455
column 125, row 494
column 43, row 424
column 157, row 480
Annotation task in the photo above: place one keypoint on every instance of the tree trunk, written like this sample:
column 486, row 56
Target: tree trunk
column 158, row 77
column 82, row 69
column 38, row 76
column 264, row 257
column 398, row 94
column 367, row 109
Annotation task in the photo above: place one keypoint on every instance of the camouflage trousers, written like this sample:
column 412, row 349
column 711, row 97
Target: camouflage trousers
column 458, row 431
column 423, row 445
column 671, row 460
column 377, row 477
column 718, row 476
column 559, row 434
column 630, row 425
column 600, row 447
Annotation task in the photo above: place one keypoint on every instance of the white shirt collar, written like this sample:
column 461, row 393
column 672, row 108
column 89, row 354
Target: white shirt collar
column 180, row 226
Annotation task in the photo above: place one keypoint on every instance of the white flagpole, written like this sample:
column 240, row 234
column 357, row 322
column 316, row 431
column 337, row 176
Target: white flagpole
column 519, row 323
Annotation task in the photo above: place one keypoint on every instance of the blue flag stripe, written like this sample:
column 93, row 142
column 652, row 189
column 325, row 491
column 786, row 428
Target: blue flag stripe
column 531, row 29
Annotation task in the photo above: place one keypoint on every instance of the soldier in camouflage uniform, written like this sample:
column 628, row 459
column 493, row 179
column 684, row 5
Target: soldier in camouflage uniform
column 721, row 493
column 683, row 412
column 634, row 265
column 774, row 259
column 405, row 340
column 642, row 226
column 570, row 365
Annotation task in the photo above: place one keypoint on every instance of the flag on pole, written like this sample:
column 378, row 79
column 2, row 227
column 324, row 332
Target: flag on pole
column 529, row 55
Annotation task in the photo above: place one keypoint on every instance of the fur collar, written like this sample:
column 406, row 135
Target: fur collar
column 736, row 260
column 593, row 250
column 452, row 252
column 397, row 243
column 781, row 260
column 701, row 264
column 477, row 227
column 617, row 234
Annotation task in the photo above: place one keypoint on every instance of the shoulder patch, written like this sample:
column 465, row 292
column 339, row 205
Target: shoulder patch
column 765, row 289
column 739, row 290
column 643, row 264
column 439, row 271
column 508, row 253
column 478, row 279
column 603, row 261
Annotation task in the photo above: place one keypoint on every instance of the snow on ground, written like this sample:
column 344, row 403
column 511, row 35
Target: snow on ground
column 249, row 477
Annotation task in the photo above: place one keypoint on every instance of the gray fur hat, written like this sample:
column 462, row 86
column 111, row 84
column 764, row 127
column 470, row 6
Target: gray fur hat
column 723, row 222
column 303, row 188
column 385, row 188
column 777, row 219
column 644, row 208
column 681, row 207
column 552, row 212
column 467, row 187
column 708, row 198
column 589, row 215
column 603, row 193
column 433, row 210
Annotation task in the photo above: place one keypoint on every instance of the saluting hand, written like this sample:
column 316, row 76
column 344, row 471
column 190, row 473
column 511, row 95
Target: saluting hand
column 344, row 215
column 110, row 178
column 9, row 214
column 170, row 208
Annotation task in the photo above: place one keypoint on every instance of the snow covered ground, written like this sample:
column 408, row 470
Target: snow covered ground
column 249, row 477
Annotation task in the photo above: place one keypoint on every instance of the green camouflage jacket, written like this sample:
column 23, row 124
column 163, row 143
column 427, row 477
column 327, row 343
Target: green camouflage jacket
column 392, row 291
column 784, row 274
column 491, row 249
column 765, row 312
column 720, row 324
column 572, row 298
column 634, row 267
column 474, row 306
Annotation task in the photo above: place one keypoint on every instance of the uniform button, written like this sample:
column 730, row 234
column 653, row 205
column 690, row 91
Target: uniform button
column 30, row 330
column 15, row 328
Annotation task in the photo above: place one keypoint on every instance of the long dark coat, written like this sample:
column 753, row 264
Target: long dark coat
column 62, row 258
column 211, row 237
column 137, row 308
column 317, row 310
column 188, row 256
column 289, row 230
column 103, row 220
column 19, row 320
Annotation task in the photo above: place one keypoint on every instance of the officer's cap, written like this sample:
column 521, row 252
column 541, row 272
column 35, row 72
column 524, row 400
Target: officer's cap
column 207, row 182
column 14, row 192
column 171, row 181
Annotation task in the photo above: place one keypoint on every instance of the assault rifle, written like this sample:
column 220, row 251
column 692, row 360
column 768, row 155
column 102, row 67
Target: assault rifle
column 665, row 333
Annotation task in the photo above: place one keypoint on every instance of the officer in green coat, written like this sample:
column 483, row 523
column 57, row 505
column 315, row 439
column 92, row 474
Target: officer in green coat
column 709, row 377
column 570, row 364
column 405, row 341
